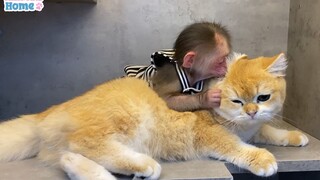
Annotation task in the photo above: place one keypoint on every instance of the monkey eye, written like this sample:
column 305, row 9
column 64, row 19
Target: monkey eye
column 263, row 98
column 237, row 101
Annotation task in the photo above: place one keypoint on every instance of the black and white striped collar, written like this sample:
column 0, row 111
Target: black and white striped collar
column 186, row 88
column 166, row 56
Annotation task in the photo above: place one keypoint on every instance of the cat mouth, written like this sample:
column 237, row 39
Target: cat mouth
column 257, row 119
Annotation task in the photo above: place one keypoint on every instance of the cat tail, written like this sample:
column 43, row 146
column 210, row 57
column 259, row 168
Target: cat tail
column 19, row 139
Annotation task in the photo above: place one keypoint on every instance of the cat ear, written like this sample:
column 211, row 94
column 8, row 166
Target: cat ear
column 278, row 66
column 234, row 56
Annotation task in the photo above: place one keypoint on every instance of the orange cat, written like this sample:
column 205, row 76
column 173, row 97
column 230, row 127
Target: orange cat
column 122, row 126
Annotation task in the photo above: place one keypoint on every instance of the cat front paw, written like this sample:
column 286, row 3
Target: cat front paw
column 150, row 169
column 297, row 138
column 262, row 163
column 80, row 167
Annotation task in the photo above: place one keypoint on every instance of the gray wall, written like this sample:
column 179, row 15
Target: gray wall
column 51, row 56
column 302, row 106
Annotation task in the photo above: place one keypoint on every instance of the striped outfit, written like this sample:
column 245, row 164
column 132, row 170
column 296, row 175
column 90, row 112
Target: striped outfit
column 157, row 60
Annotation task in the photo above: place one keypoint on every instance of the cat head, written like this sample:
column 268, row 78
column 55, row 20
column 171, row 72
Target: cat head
column 253, row 90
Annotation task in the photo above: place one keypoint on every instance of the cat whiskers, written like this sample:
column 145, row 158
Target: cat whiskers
column 280, row 118
column 283, row 117
column 272, row 119
column 231, row 124
column 228, row 123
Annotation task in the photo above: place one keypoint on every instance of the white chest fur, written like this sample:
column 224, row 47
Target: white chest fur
column 246, row 132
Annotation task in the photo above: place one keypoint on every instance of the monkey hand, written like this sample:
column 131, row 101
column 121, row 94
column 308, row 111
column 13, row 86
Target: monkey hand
column 210, row 98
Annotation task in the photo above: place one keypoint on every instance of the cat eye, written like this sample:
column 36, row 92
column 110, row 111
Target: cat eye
column 237, row 101
column 262, row 98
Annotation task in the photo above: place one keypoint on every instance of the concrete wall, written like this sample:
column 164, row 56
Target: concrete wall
column 302, row 106
column 54, row 55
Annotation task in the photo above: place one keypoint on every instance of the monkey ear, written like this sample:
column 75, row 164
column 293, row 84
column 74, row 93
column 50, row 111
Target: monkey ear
column 188, row 59
column 278, row 66
column 235, row 56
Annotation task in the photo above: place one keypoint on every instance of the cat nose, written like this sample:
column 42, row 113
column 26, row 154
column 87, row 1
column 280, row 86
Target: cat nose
column 252, row 113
